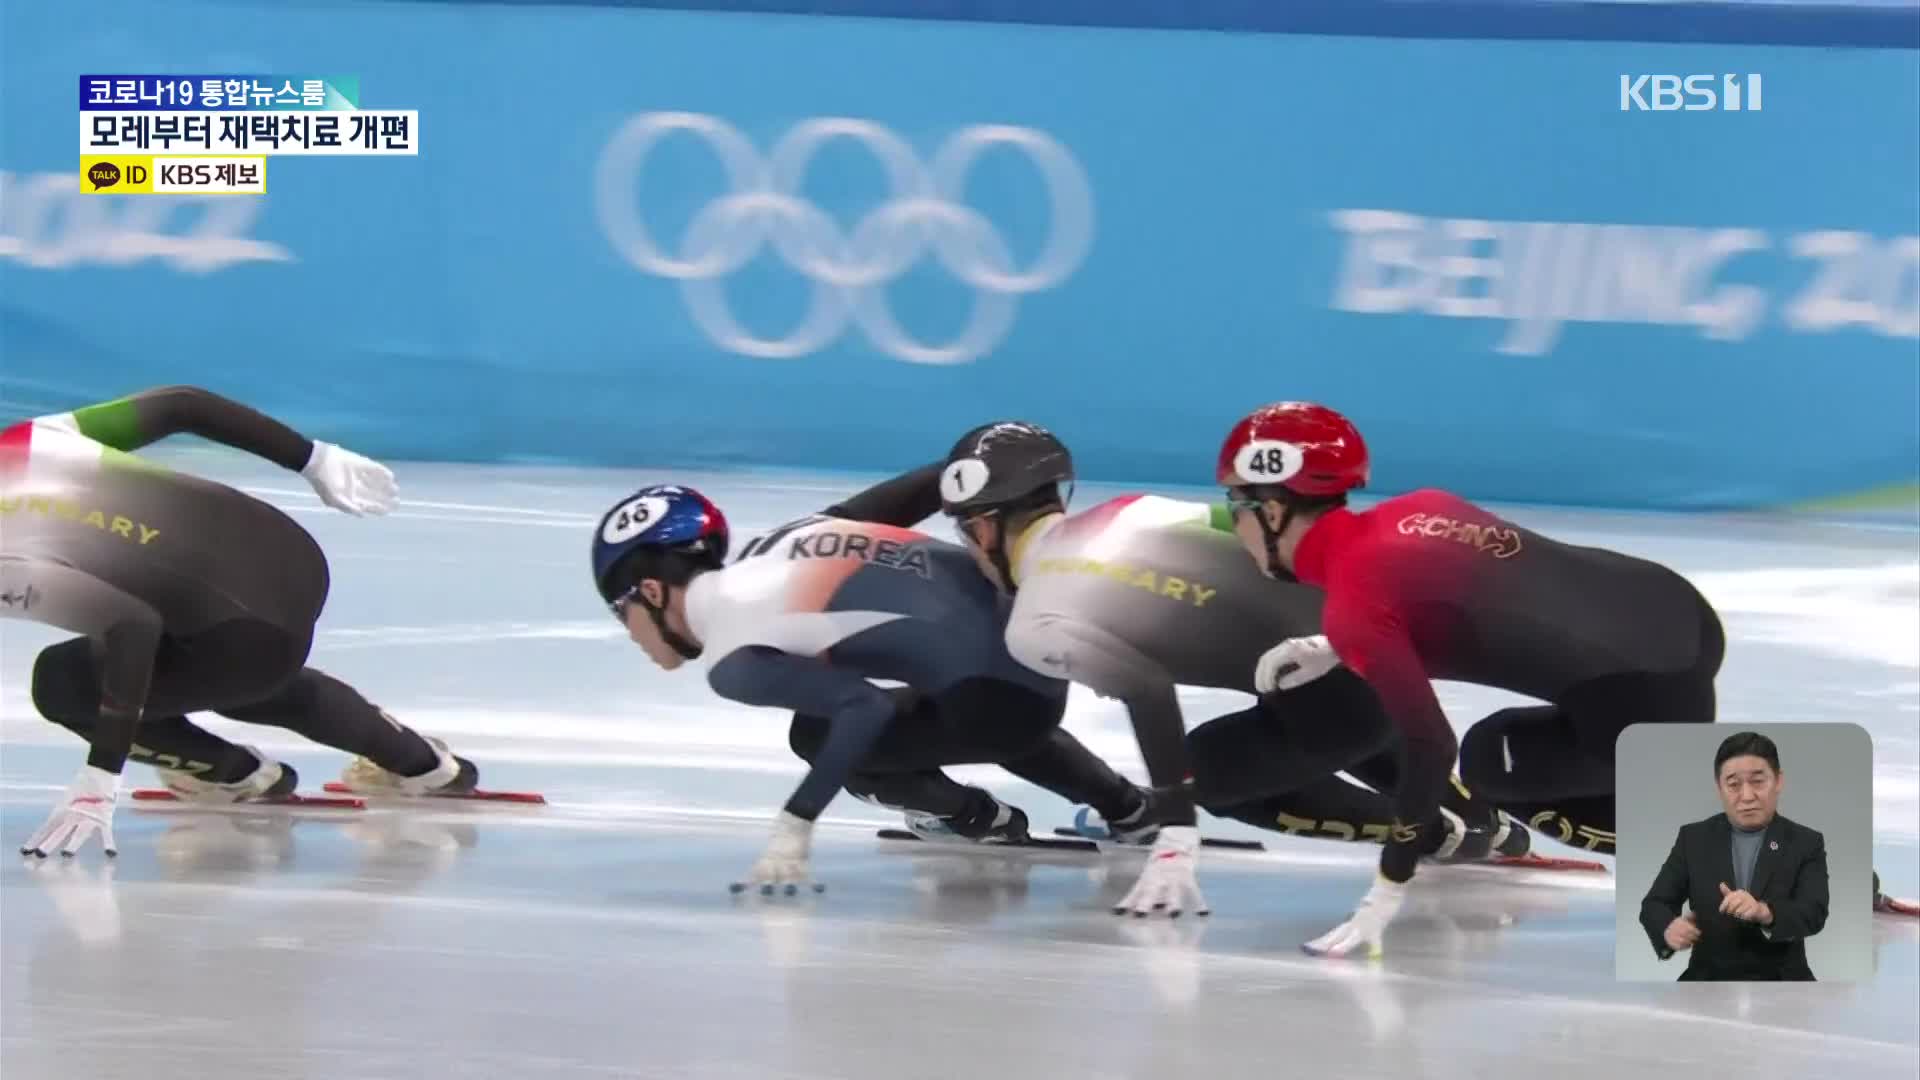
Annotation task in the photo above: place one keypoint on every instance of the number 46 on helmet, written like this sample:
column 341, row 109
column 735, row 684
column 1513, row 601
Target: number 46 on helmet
column 665, row 534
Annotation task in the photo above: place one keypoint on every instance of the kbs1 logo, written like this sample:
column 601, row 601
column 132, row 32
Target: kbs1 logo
column 1689, row 93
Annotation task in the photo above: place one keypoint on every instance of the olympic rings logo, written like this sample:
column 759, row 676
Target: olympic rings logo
column 850, row 269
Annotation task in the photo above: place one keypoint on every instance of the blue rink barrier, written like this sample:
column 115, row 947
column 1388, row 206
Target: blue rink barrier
column 639, row 235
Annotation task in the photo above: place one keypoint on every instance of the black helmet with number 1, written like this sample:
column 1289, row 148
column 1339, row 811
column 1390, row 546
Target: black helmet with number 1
column 1002, row 469
column 1007, row 465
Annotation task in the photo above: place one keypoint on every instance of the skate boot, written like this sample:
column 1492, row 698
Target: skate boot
column 452, row 776
column 1463, row 843
column 1140, row 825
column 1891, row 905
column 269, row 780
column 1511, row 840
column 986, row 821
column 1473, row 830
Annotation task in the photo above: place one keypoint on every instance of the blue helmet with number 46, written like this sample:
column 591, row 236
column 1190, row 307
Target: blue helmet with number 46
column 664, row 531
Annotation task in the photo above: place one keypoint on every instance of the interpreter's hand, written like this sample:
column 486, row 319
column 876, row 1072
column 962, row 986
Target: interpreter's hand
column 1741, row 904
column 1682, row 933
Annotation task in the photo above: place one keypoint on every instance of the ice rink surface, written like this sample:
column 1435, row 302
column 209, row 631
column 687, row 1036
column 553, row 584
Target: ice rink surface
column 595, row 937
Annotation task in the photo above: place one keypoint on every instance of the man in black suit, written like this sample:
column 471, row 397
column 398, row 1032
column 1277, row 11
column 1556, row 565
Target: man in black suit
column 1757, row 882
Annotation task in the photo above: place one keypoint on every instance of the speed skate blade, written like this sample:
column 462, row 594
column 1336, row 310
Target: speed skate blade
column 533, row 797
column 989, row 845
column 1205, row 841
column 1545, row 862
column 319, row 801
column 1889, row 905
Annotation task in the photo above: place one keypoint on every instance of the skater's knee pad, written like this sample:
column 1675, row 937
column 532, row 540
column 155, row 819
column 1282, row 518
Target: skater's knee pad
column 66, row 688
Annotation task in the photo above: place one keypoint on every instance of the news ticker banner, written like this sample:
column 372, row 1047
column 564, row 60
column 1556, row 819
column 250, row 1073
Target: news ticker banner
column 212, row 134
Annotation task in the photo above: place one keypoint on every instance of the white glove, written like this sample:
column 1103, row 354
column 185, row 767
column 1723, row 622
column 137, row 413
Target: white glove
column 1368, row 924
column 784, row 862
column 86, row 808
column 1167, row 881
column 346, row 481
column 1294, row 662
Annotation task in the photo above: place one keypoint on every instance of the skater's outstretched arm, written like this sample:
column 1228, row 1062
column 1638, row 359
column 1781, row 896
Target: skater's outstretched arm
column 132, row 422
column 343, row 479
column 126, row 671
column 1375, row 645
column 858, row 711
column 127, row 631
column 903, row 501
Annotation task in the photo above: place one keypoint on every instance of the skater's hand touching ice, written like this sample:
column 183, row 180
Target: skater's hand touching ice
column 85, row 809
column 346, row 481
column 1167, row 883
column 1682, row 933
column 1365, row 930
column 783, row 865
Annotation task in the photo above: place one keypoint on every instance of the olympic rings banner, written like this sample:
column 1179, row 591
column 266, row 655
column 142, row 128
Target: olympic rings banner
column 637, row 236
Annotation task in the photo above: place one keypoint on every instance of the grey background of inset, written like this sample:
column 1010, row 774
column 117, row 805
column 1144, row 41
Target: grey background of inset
column 1665, row 779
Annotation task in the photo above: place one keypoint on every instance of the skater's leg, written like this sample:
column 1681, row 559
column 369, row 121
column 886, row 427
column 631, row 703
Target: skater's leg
column 1325, row 808
column 1273, row 766
column 981, row 722
column 1570, row 794
column 1289, row 740
column 226, row 664
column 926, row 791
column 1553, row 766
column 1274, row 769
column 885, row 783
column 1480, row 825
column 1532, row 752
column 325, row 710
column 1582, row 822
column 984, row 720
column 390, row 755
column 974, row 722
column 1064, row 766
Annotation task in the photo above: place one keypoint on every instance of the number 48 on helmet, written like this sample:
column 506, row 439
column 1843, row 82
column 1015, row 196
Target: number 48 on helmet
column 1302, row 448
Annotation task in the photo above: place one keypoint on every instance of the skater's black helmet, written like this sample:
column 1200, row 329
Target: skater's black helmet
column 1006, row 465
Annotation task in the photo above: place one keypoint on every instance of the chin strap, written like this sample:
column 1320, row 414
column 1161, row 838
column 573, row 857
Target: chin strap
column 1272, row 537
column 658, row 613
column 998, row 555
column 997, row 551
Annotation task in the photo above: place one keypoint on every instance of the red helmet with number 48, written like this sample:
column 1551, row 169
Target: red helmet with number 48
column 1306, row 448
